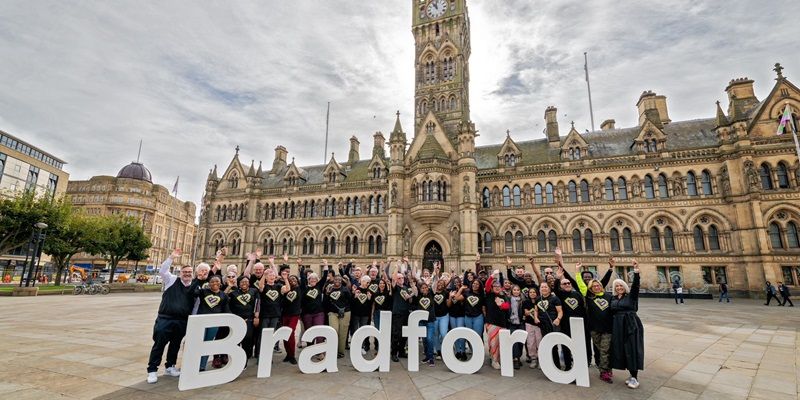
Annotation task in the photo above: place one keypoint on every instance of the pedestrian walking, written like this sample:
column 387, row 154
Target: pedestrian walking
column 723, row 292
column 771, row 293
column 678, row 289
column 784, row 291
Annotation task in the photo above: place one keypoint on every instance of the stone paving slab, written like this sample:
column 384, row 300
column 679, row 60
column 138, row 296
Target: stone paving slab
column 84, row 347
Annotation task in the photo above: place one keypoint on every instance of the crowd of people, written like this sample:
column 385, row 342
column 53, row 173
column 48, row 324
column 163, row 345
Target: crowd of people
column 347, row 297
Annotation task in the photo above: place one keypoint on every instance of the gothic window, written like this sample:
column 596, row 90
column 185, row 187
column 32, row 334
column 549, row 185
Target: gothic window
column 509, row 242
column 357, row 206
column 423, row 108
column 669, row 240
column 775, row 237
column 549, row 192
column 511, row 160
column 766, row 177
column 552, row 240
column 506, row 197
column 783, row 175
column 699, row 243
column 691, row 184
column 583, row 241
column 662, row 186
column 584, row 191
column 614, row 237
column 371, row 245
column 655, row 239
column 380, row 204
column 609, row 189
column 313, row 210
column 331, row 211
column 572, row 188
column 453, row 103
column 485, row 198
column 269, row 246
column 537, row 194
column 305, row 208
column 378, row 244
column 219, row 211
column 348, row 209
column 705, row 182
column 541, row 241
column 517, row 196
column 622, row 188
column 233, row 181
column 519, row 242
column 576, row 241
column 442, row 190
column 291, row 210
column 372, row 205
column 627, row 240
column 224, row 213
column 487, row 243
column 649, row 191
column 376, row 173
column 713, row 238
column 792, row 237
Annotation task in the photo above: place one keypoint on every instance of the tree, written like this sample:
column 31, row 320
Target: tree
column 118, row 238
column 74, row 233
column 18, row 215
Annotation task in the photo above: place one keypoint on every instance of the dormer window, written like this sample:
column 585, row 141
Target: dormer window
column 332, row 178
column 233, row 181
column 376, row 173
column 511, row 160
column 650, row 146
column 575, row 153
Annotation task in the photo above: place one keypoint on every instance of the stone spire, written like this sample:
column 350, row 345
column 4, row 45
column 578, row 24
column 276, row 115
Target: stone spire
column 722, row 120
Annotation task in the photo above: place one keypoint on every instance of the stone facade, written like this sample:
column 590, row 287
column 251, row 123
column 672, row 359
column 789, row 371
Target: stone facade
column 712, row 200
column 136, row 196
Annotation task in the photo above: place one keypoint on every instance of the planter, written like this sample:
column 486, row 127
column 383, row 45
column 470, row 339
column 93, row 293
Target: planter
column 25, row 291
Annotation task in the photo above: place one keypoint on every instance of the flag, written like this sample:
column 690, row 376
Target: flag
column 786, row 119
column 175, row 188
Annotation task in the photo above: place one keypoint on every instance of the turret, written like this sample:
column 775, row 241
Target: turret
column 397, row 142
column 280, row 160
column 378, row 145
column 653, row 107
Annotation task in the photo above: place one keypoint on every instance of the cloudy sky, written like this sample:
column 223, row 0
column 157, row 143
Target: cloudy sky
column 87, row 80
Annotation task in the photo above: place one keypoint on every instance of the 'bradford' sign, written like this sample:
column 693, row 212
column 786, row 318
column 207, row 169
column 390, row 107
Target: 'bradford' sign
column 196, row 347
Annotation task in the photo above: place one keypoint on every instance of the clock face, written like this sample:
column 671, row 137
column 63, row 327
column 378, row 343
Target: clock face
column 437, row 8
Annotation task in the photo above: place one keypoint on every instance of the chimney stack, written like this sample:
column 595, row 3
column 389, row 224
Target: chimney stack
column 378, row 146
column 608, row 125
column 551, row 118
column 280, row 160
column 353, row 156
column 653, row 105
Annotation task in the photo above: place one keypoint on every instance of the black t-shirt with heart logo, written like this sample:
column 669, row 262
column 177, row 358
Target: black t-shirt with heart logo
column 547, row 312
column 337, row 299
column 244, row 303
column 473, row 303
column 373, row 287
column 456, row 309
column 361, row 302
column 528, row 305
column 382, row 300
column 271, row 300
column 291, row 303
column 425, row 303
column 401, row 299
column 210, row 302
column 440, row 304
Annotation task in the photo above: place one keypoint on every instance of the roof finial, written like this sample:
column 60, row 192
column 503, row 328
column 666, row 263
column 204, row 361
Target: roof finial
column 573, row 124
column 717, row 102
column 237, row 149
column 398, row 113
column 779, row 70
column 508, row 132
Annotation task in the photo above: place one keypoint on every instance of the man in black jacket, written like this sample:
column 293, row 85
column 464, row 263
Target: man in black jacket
column 784, row 291
column 173, row 312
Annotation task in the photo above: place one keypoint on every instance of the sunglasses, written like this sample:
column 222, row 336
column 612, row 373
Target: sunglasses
column 566, row 283
column 231, row 276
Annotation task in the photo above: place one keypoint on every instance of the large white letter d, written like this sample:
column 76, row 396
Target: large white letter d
column 576, row 344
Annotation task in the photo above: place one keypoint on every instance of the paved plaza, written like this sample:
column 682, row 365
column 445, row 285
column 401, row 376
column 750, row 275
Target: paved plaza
column 97, row 346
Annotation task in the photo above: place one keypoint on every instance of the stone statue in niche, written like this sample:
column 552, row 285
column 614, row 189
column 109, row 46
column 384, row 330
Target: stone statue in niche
column 394, row 194
column 726, row 181
column 467, row 198
column 677, row 187
column 752, row 175
column 637, row 188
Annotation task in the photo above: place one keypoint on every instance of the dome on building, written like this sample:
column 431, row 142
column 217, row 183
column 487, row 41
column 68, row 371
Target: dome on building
column 135, row 170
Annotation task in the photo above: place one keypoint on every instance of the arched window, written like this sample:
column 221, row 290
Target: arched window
column 348, row 206
column 509, row 242
column 313, row 210
column 224, row 213
column 662, row 186
column 285, row 210
column 443, row 191
column 713, row 238
column 649, row 191
column 705, row 181
column 325, row 208
column 766, row 177
column 285, row 246
column 609, row 189
column 584, row 191
column 614, row 236
column 572, row 191
column 311, row 249
column 549, row 193
column 379, row 245
column 552, row 240
column 453, row 103
column 371, row 245
column 269, row 246
column 519, row 243
column 291, row 211
column 775, row 236
column 380, row 204
column 347, row 246
column 691, row 184
column 669, row 239
column 699, row 243
column 622, row 188
column 792, row 238
column 357, row 206
column 372, row 205
column 588, row 240
column 541, row 241
column 517, row 196
column 655, row 239
column 487, row 243
column 506, row 197
column 485, row 198
column 627, row 240
column 576, row 241
column 537, row 194
column 783, row 175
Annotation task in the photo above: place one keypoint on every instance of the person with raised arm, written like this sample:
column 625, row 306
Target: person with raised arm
column 270, row 291
column 573, row 304
column 627, row 331
column 212, row 301
column 291, row 308
column 245, row 302
column 337, row 305
column 312, row 287
column 173, row 312
column 599, row 321
column 424, row 301
column 548, row 313
column 361, row 307
column 441, row 304
column 457, row 312
column 381, row 301
column 497, row 307
column 402, row 296
column 586, row 290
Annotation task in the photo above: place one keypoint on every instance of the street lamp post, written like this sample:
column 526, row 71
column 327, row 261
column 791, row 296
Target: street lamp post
column 37, row 240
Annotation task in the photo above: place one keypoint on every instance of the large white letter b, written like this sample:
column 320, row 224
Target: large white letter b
column 195, row 347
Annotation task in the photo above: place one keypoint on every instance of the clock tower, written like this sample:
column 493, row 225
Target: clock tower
column 442, row 49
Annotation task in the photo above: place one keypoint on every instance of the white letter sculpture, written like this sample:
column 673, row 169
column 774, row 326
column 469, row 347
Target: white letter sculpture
column 507, row 340
column 269, row 337
column 328, row 347
column 413, row 332
column 382, row 336
column 470, row 366
column 577, row 345
column 196, row 347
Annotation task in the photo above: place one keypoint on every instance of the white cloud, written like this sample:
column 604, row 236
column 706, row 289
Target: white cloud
column 86, row 81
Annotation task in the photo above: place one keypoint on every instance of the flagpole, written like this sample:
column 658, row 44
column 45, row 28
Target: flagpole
column 588, row 86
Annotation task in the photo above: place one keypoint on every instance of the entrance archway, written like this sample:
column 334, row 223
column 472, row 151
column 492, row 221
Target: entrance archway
column 433, row 253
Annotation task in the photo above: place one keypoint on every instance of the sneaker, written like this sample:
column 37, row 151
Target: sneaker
column 340, row 355
column 173, row 371
column 517, row 364
column 627, row 381
column 430, row 363
column 438, row 355
column 152, row 377
column 633, row 384
column 534, row 364
column 292, row 361
column 495, row 364
column 286, row 359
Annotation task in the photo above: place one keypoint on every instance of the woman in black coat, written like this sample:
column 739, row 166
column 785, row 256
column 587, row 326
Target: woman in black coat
column 627, row 337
